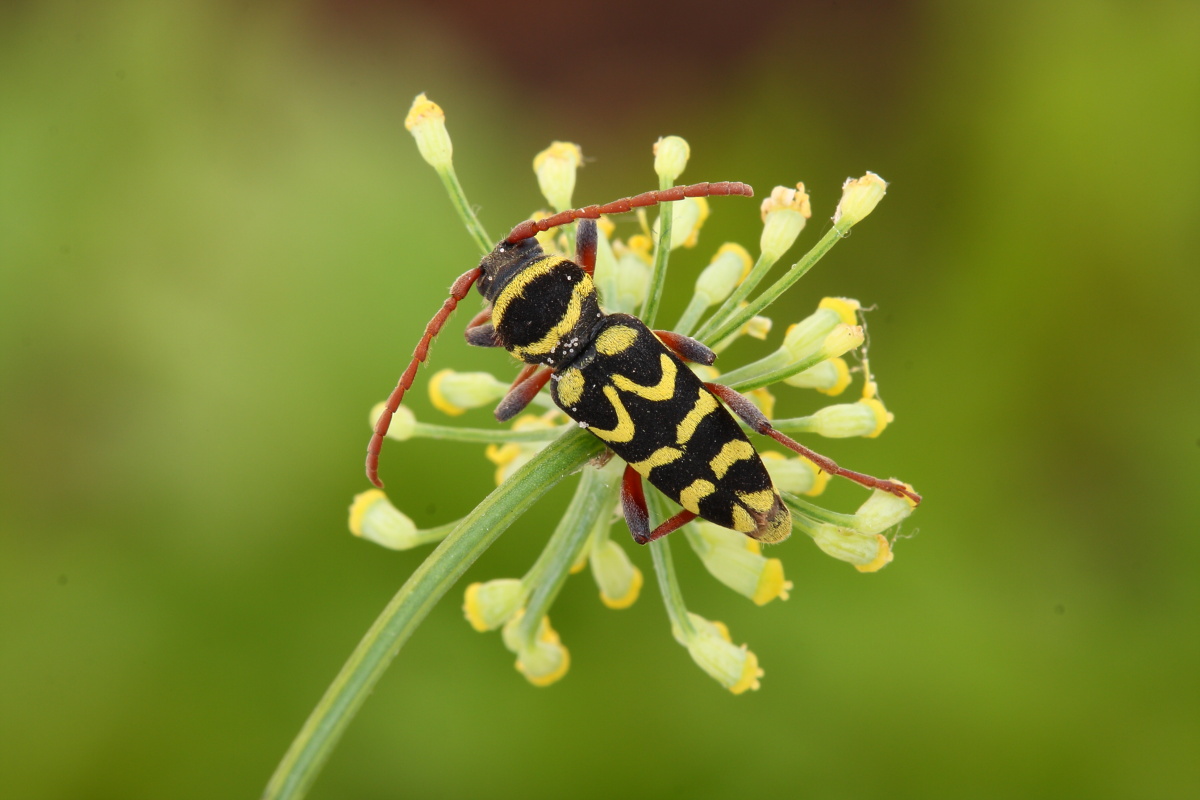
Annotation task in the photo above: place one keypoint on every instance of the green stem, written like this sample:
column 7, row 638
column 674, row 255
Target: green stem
column 662, row 253
column 431, row 580
column 795, row 273
column 806, row 509
column 691, row 315
column 765, row 373
column 594, row 497
column 449, row 433
column 761, row 267
column 668, row 583
column 465, row 212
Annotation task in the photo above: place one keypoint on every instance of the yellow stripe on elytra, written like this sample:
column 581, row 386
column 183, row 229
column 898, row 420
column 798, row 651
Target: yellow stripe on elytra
column 661, row 456
column 616, row 339
column 742, row 521
column 690, row 497
column 516, row 287
column 570, row 319
column 705, row 405
column 624, row 430
column 663, row 390
column 759, row 501
column 731, row 453
column 570, row 386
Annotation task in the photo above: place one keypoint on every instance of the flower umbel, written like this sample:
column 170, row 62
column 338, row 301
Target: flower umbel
column 537, row 450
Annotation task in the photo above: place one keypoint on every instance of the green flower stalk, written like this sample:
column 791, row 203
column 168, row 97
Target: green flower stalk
column 535, row 451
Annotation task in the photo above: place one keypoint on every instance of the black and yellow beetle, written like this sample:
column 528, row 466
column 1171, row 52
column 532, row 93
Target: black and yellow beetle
column 626, row 384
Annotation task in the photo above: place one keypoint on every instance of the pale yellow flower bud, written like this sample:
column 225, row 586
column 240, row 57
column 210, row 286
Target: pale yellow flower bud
column 784, row 213
column 742, row 569
column 454, row 392
column 619, row 580
column 867, row 418
column 687, row 218
column 374, row 518
column 867, row 552
column 808, row 336
column 404, row 422
column 427, row 123
column 489, row 605
column 794, row 475
column 829, row 377
column 728, row 268
column 882, row 510
column 544, row 660
column 710, row 646
column 555, row 168
column 859, row 198
column 671, row 155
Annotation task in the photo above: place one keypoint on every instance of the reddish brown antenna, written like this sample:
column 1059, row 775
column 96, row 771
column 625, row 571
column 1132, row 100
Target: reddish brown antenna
column 532, row 227
column 457, row 292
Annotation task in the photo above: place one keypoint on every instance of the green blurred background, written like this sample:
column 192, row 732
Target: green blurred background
column 218, row 246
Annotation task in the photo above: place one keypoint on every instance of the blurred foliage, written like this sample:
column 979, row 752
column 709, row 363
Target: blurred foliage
column 217, row 246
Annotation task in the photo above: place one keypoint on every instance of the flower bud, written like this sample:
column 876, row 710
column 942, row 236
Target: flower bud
column 728, row 268
column 374, row 518
column 671, row 155
column 710, row 646
column 555, row 168
column 830, row 377
column 882, row 510
column 745, row 570
column 489, row 605
column 794, row 475
column 427, row 123
column 542, row 661
column 619, row 580
column 866, row 417
column 631, row 279
column 687, row 218
column 867, row 552
column 403, row 425
column 859, row 198
column 784, row 213
column 454, row 392
column 806, row 337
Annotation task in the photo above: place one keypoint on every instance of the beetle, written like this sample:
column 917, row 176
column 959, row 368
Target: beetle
column 626, row 384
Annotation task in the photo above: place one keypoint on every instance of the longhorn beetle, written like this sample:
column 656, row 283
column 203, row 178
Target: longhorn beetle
column 626, row 384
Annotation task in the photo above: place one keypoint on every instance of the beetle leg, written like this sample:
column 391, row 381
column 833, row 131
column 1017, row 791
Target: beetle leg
column 686, row 347
column 480, row 333
column 740, row 404
column 585, row 245
column 637, row 517
column 522, row 393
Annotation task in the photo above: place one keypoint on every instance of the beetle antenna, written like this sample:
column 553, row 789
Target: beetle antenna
column 532, row 227
column 457, row 292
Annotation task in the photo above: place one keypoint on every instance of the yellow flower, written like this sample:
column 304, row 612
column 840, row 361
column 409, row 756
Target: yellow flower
column 859, row 198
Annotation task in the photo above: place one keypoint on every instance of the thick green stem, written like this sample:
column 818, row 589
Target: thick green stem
column 444, row 566
column 594, row 497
